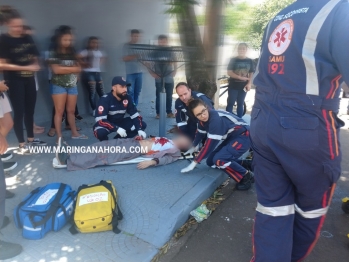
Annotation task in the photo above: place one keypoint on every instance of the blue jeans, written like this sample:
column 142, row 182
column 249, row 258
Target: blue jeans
column 236, row 95
column 169, row 91
column 58, row 90
column 136, row 86
column 92, row 81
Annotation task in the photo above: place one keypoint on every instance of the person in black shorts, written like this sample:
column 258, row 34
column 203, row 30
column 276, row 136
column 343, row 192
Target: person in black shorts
column 19, row 61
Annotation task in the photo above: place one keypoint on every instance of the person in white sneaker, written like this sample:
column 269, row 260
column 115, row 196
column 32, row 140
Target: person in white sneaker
column 7, row 250
column 6, row 124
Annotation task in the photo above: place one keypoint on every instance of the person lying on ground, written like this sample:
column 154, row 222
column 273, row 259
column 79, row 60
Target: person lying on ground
column 159, row 150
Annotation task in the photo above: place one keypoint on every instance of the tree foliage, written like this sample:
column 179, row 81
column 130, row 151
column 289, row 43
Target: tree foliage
column 261, row 15
column 236, row 19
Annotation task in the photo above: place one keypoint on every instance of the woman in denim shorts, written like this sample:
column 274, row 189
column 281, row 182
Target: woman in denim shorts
column 65, row 69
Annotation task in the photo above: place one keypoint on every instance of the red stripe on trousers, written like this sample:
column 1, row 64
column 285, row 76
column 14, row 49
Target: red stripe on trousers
column 333, row 88
column 203, row 151
column 325, row 203
column 235, row 172
column 104, row 124
column 328, row 133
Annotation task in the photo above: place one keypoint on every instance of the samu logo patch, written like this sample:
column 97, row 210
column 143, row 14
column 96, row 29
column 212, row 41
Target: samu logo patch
column 281, row 38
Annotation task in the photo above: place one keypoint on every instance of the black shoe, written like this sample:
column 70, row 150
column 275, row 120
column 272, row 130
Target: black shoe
column 78, row 117
column 247, row 164
column 9, row 194
column 9, row 250
column 36, row 142
column 246, row 182
column 8, row 166
column 5, row 222
column 6, row 156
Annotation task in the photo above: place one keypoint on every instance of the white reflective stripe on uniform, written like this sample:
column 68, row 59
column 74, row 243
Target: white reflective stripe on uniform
column 310, row 44
column 276, row 211
column 133, row 128
column 266, row 42
column 117, row 112
column 201, row 131
column 225, row 165
column 100, row 118
column 182, row 124
column 100, row 127
column 199, row 94
column 312, row 213
column 216, row 137
column 229, row 131
column 134, row 115
column 231, row 118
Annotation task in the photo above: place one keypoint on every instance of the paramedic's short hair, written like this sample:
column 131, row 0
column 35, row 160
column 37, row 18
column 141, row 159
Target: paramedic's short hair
column 182, row 84
column 134, row 31
column 162, row 37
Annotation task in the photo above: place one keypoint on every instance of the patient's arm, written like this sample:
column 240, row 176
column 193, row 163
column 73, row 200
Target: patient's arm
column 168, row 159
column 145, row 164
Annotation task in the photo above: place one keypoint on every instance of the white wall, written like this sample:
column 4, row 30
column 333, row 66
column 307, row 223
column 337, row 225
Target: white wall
column 108, row 19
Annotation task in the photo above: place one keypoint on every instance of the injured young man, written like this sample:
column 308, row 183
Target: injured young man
column 153, row 151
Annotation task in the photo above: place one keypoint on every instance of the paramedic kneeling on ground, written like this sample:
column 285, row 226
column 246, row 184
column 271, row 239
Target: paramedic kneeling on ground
column 232, row 131
column 294, row 126
column 111, row 110
column 159, row 150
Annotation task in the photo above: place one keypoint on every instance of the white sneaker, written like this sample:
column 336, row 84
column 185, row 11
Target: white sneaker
column 23, row 150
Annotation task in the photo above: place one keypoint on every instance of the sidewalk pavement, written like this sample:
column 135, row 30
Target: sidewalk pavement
column 155, row 202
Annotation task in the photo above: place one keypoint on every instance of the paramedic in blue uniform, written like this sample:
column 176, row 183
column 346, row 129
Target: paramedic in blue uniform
column 227, row 140
column 111, row 110
column 295, row 128
column 186, row 121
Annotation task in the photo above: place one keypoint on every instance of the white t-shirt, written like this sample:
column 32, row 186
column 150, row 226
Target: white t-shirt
column 96, row 56
column 161, row 144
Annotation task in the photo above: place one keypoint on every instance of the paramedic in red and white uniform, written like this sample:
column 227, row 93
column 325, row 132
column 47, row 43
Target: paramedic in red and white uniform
column 110, row 114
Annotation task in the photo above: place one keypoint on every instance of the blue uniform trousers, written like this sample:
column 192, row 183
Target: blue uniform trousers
column 102, row 132
column 296, row 165
column 226, row 155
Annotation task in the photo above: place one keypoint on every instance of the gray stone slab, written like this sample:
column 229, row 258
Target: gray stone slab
column 155, row 202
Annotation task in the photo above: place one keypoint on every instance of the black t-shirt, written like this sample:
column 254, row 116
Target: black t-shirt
column 18, row 51
column 241, row 67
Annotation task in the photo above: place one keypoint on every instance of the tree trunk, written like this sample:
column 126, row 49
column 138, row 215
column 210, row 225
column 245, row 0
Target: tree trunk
column 211, row 35
column 199, row 72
